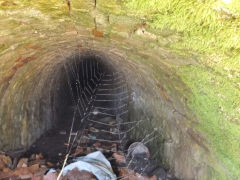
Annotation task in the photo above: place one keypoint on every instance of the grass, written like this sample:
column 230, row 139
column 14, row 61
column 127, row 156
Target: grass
column 204, row 23
column 215, row 101
column 208, row 28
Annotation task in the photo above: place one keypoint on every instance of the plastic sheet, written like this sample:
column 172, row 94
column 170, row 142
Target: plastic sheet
column 94, row 162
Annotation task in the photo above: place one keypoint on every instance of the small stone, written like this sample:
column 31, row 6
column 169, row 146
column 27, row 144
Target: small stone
column 6, row 170
column 83, row 140
column 34, row 168
column 50, row 164
column 41, row 171
column 32, row 157
column 141, row 31
column 93, row 129
column 119, row 158
column 114, row 148
column 22, row 162
column 78, row 151
column 51, row 176
column 39, row 162
column 97, row 144
column 80, row 175
column 5, row 161
column 97, row 33
column 23, row 173
column 138, row 148
column 128, row 174
column 43, row 166
column 39, row 156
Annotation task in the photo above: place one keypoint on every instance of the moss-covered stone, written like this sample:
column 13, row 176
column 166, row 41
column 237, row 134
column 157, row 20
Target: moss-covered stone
column 184, row 72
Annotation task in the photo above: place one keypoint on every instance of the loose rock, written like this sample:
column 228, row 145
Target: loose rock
column 5, row 161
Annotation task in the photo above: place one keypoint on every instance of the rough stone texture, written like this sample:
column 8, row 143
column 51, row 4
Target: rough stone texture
column 30, row 74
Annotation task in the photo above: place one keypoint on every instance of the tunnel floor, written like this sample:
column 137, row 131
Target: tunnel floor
column 91, row 109
column 103, row 125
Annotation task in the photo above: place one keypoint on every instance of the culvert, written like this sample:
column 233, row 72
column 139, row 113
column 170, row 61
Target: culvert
column 97, row 86
column 182, row 104
column 90, row 101
column 85, row 99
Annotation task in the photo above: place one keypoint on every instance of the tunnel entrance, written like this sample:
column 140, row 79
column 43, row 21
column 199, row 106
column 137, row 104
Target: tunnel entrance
column 89, row 104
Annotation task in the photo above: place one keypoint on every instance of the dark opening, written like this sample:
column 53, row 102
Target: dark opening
column 91, row 95
column 90, row 111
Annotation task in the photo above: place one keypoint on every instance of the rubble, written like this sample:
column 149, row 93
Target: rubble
column 22, row 162
column 139, row 160
column 93, row 166
column 5, row 161
column 119, row 158
column 26, row 167
column 97, row 154
column 75, row 174
column 128, row 174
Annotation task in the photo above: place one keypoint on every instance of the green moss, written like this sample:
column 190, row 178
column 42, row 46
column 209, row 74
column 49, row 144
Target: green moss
column 201, row 20
column 2, row 47
column 206, row 28
column 202, row 26
column 111, row 7
column 215, row 101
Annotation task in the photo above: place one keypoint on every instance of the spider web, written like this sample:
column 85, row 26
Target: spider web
column 101, row 97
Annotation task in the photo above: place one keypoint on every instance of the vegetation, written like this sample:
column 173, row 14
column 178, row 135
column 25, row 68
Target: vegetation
column 206, row 28
column 209, row 29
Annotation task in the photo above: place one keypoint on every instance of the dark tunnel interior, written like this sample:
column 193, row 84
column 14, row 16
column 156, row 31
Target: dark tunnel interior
column 90, row 104
column 89, row 91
